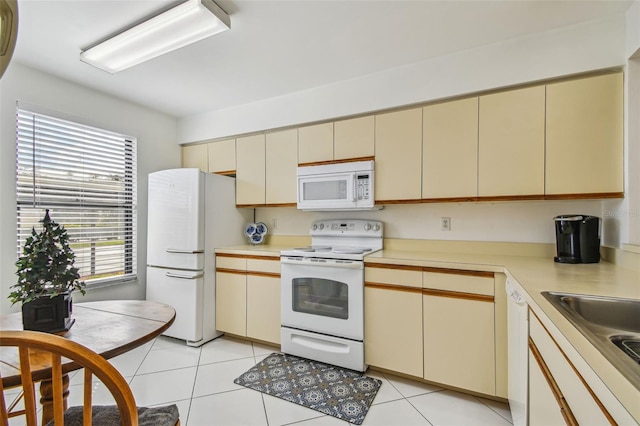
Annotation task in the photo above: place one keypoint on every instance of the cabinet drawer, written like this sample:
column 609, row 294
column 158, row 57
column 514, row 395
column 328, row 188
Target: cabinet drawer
column 393, row 274
column 460, row 283
column 231, row 262
column 264, row 265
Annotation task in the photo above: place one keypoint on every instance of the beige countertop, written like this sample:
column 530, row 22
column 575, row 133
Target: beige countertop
column 535, row 275
column 253, row 250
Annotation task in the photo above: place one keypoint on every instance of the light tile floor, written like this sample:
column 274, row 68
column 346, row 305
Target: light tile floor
column 200, row 382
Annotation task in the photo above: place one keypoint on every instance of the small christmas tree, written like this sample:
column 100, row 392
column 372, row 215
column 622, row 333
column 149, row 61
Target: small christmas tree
column 46, row 265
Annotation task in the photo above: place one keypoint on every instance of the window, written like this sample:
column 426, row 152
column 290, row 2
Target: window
column 86, row 177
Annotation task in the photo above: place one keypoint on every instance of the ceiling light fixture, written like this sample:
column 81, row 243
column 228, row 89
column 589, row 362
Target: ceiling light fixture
column 180, row 26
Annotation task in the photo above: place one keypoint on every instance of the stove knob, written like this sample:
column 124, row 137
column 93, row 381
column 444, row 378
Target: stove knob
column 376, row 227
column 314, row 227
column 367, row 227
column 321, row 226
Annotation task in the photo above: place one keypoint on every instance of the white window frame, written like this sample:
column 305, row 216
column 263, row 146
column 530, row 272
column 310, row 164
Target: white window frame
column 87, row 178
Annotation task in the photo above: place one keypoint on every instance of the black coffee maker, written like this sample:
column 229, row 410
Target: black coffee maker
column 577, row 239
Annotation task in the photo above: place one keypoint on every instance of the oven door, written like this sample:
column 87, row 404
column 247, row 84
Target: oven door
column 324, row 296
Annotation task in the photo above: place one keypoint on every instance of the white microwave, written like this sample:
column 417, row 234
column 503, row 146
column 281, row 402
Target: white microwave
column 341, row 186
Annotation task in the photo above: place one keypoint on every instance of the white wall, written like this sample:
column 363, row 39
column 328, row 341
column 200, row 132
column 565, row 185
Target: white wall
column 575, row 49
column 633, row 29
column 155, row 133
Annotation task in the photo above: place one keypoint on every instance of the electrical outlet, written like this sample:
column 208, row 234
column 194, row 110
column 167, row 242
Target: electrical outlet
column 445, row 223
column 274, row 224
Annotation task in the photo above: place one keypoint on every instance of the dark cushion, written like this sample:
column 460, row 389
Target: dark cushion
column 109, row 415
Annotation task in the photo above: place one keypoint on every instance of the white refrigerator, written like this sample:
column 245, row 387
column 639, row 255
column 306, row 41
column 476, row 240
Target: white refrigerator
column 191, row 213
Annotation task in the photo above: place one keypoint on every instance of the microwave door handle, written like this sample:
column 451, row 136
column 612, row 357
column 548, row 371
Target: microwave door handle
column 354, row 196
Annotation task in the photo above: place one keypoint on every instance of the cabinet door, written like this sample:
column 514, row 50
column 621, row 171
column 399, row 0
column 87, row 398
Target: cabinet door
column 585, row 136
column 459, row 343
column 393, row 318
column 543, row 407
column 315, row 143
column 393, row 329
column 250, row 170
column 281, row 167
column 511, row 143
column 195, row 156
column 231, row 303
column 263, row 308
column 354, row 138
column 581, row 401
column 398, row 155
column 222, row 157
column 450, row 150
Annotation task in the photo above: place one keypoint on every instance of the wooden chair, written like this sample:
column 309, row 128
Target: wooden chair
column 35, row 345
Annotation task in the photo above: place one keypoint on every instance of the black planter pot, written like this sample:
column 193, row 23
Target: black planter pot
column 51, row 315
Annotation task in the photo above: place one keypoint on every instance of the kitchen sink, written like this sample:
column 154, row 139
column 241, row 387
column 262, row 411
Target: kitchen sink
column 612, row 324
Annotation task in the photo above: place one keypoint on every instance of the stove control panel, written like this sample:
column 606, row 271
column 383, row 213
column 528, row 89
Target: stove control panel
column 347, row 227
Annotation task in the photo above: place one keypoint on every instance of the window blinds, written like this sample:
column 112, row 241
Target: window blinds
column 86, row 177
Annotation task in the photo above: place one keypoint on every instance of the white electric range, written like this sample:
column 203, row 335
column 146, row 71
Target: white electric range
column 323, row 292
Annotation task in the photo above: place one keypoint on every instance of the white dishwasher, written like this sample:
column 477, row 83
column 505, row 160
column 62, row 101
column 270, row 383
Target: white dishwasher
column 518, row 352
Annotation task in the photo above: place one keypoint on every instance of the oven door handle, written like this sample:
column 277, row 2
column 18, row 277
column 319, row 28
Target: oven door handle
column 331, row 263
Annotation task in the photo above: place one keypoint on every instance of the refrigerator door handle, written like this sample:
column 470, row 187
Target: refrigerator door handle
column 184, row 277
column 170, row 250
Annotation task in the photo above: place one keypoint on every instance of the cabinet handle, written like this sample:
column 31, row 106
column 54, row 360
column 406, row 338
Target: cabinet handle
column 458, row 295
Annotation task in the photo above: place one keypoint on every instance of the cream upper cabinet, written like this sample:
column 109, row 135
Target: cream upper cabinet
column 585, row 136
column 511, row 150
column 315, row 143
column 354, row 138
column 250, row 170
column 450, row 150
column 195, row 156
column 393, row 319
column 398, row 147
column 222, row 157
column 281, row 167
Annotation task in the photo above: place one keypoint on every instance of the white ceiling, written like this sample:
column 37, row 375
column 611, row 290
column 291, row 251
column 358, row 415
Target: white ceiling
column 278, row 47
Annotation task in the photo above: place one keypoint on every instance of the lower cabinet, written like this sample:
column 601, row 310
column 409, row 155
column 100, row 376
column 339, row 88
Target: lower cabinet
column 393, row 319
column 544, row 408
column 459, row 330
column 557, row 392
column 231, row 302
column 263, row 308
column 437, row 324
column 248, row 296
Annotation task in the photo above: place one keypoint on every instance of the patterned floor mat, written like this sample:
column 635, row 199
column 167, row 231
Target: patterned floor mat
column 338, row 392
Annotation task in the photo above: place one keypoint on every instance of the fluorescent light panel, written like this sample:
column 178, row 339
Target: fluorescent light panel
column 186, row 23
